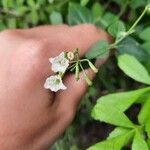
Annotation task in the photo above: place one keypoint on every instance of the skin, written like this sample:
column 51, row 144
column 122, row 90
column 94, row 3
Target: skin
column 31, row 117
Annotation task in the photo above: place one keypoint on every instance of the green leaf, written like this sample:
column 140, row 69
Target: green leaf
column 41, row 2
column 143, row 98
column 132, row 47
column 2, row 26
column 123, row 100
column 145, row 34
column 31, row 3
column 116, row 28
column 78, row 14
column 108, row 19
column 11, row 23
column 119, row 131
column 148, row 143
column 139, row 143
column 111, row 115
column 146, row 46
column 147, row 127
column 56, row 18
column 137, row 3
column 84, row 2
column 34, row 17
column 115, row 143
column 110, row 108
column 5, row 3
column 20, row 2
column 22, row 10
column 97, row 10
column 133, row 68
column 143, row 116
column 97, row 49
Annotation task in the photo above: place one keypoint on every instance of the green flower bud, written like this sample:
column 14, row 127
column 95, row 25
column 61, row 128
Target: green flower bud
column 92, row 67
column 86, row 78
column 70, row 55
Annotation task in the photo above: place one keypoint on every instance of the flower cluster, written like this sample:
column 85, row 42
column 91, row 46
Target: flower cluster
column 62, row 62
column 59, row 65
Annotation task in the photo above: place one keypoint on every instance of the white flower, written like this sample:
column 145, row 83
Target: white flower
column 54, row 83
column 59, row 63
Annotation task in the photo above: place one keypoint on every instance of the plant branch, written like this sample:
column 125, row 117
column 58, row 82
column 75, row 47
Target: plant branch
column 131, row 30
column 123, row 9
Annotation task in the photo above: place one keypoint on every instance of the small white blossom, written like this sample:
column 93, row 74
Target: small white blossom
column 54, row 83
column 59, row 63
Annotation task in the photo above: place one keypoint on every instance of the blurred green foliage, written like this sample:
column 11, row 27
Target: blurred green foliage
column 114, row 16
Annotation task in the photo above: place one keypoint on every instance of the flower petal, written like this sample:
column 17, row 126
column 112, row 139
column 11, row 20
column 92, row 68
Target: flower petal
column 59, row 63
column 54, row 83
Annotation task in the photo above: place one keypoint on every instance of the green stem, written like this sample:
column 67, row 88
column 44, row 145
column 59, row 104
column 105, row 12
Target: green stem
column 138, row 20
column 123, row 9
column 131, row 30
column 83, row 60
column 107, row 4
column 82, row 68
column 71, row 66
column 86, row 78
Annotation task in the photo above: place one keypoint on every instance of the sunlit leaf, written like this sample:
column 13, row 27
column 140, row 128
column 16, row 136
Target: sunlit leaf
column 97, row 49
column 115, row 143
column 116, row 28
column 143, row 116
column 133, row 68
column 139, row 142
column 56, row 18
column 78, row 14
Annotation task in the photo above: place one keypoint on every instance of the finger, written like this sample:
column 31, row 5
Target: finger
column 15, row 38
column 64, row 38
column 45, row 30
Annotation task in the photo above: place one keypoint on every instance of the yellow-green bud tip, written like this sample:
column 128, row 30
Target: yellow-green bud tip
column 86, row 78
column 93, row 67
column 70, row 55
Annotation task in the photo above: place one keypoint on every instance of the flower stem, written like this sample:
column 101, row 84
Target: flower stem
column 138, row 20
column 86, row 78
column 72, row 66
column 123, row 9
column 131, row 30
column 107, row 4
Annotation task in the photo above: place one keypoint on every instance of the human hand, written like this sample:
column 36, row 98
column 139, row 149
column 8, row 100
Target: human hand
column 31, row 117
